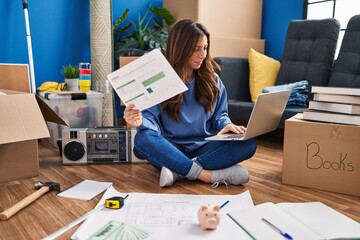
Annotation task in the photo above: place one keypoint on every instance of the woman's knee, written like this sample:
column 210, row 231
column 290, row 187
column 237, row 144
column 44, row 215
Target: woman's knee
column 143, row 136
column 251, row 147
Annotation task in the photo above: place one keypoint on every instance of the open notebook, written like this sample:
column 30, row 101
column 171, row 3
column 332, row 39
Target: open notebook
column 264, row 118
column 310, row 220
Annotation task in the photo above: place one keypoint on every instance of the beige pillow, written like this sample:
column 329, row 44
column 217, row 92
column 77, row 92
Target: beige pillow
column 263, row 72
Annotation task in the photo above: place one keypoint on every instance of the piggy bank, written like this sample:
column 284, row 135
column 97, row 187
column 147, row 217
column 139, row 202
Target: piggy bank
column 209, row 217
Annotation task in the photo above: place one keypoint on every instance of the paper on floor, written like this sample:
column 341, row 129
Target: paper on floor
column 85, row 190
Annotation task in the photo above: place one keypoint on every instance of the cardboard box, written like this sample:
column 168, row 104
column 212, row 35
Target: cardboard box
column 230, row 18
column 324, row 156
column 15, row 77
column 123, row 60
column 21, row 125
column 234, row 47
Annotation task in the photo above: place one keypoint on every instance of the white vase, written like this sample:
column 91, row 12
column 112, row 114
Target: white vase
column 72, row 84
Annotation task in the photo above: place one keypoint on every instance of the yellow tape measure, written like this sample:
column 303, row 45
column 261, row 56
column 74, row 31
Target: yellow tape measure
column 115, row 202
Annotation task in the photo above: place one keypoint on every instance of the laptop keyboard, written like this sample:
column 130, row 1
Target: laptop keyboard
column 232, row 136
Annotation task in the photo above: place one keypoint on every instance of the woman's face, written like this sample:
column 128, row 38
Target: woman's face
column 199, row 54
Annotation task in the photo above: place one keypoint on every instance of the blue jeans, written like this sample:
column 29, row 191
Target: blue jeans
column 213, row 155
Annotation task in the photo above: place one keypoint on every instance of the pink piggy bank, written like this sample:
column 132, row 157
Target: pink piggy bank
column 209, row 216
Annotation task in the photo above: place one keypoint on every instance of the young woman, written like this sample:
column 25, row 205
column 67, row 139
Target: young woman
column 171, row 135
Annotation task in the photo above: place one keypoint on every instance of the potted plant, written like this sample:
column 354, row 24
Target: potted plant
column 134, row 39
column 71, row 75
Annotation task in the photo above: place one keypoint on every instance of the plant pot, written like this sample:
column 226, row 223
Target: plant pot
column 72, row 84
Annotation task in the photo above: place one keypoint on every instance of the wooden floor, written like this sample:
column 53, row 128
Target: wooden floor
column 50, row 213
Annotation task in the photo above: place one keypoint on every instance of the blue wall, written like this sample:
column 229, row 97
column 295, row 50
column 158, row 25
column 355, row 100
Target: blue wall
column 60, row 31
column 275, row 20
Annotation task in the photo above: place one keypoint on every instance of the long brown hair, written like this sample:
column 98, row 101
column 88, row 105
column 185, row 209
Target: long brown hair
column 181, row 44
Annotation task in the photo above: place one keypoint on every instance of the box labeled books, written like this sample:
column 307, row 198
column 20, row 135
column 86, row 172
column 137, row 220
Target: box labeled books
column 323, row 156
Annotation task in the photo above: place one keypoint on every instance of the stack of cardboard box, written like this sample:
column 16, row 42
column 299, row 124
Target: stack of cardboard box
column 234, row 25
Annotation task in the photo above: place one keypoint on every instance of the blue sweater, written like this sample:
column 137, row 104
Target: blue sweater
column 194, row 124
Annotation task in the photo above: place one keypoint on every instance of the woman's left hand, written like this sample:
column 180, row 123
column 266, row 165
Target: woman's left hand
column 232, row 128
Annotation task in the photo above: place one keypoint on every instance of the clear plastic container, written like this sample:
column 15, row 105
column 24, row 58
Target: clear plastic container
column 78, row 110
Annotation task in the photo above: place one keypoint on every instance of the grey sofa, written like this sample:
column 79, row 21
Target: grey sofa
column 308, row 55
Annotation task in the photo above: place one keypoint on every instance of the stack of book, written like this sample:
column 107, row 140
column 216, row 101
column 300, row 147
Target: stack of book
column 334, row 104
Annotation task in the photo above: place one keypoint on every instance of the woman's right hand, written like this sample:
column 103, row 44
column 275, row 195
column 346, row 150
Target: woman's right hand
column 132, row 115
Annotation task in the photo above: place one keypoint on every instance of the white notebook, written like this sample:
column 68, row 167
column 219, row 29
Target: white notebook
column 311, row 220
column 85, row 190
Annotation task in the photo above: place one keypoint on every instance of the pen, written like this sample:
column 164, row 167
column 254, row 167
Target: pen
column 224, row 204
column 284, row 234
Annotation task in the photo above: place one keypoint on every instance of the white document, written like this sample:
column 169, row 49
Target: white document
column 312, row 220
column 146, row 81
column 168, row 216
column 85, row 190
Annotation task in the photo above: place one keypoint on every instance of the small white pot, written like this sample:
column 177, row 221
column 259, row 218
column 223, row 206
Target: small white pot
column 72, row 84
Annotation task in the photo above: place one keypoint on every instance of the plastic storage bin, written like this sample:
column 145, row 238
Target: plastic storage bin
column 78, row 110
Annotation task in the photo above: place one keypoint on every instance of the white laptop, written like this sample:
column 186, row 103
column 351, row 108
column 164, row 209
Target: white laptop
column 264, row 118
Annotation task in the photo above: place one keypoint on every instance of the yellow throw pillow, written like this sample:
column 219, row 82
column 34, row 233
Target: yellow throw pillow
column 263, row 72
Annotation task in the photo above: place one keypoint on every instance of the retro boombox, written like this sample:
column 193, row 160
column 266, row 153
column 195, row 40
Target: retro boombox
column 98, row 145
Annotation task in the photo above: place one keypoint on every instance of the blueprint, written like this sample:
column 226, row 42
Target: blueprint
column 168, row 216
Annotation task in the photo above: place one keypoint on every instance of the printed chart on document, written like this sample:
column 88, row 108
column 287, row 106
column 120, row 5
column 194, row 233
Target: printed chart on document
column 147, row 81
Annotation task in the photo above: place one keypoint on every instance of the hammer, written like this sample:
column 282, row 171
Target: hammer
column 42, row 189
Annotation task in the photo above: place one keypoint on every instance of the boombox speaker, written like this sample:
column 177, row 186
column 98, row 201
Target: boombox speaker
column 74, row 146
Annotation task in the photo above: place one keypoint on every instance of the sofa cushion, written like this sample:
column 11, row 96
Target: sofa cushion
column 346, row 72
column 263, row 72
column 235, row 76
column 240, row 111
column 309, row 51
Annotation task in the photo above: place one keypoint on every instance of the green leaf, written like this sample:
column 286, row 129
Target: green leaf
column 123, row 46
column 121, row 18
column 70, row 71
column 140, row 35
column 122, row 29
column 156, row 38
column 164, row 14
